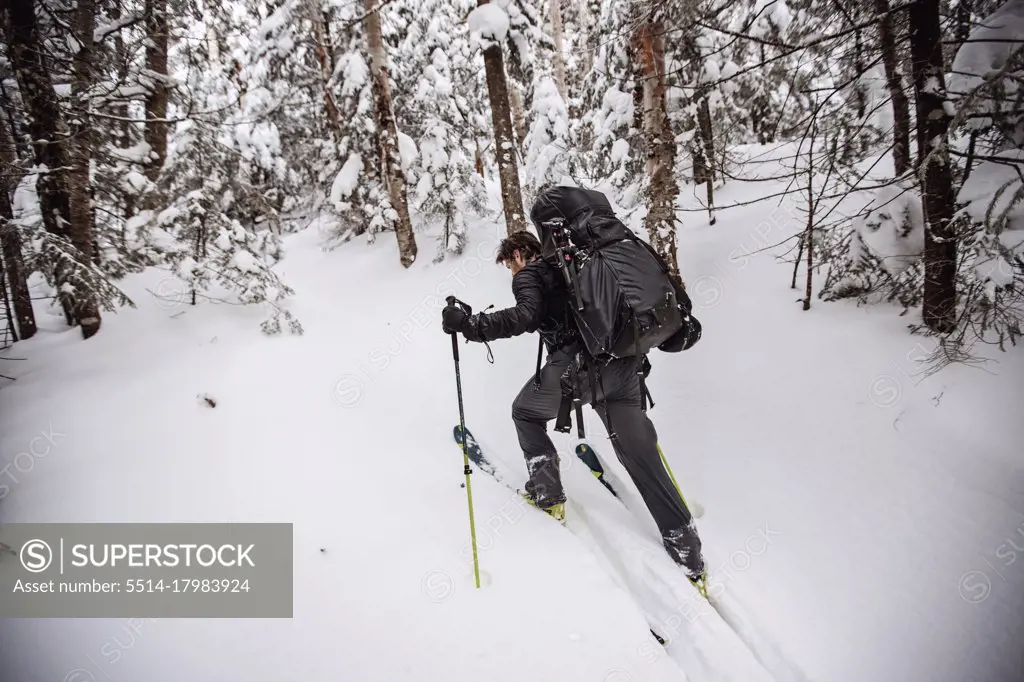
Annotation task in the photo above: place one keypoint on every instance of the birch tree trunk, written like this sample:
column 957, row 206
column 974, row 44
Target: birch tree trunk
column 87, row 310
column 559, row 58
column 504, row 144
column 894, row 81
column 10, row 238
column 156, row 99
column 387, row 136
column 648, row 38
column 939, row 307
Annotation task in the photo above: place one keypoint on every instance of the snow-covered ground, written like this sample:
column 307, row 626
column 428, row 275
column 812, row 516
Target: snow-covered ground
column 858, row 516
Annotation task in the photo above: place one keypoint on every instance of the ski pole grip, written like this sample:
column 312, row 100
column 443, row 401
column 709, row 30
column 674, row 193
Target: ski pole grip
column 451, row 300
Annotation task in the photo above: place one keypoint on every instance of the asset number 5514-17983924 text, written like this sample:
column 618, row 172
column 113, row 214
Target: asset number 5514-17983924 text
column 207, row 585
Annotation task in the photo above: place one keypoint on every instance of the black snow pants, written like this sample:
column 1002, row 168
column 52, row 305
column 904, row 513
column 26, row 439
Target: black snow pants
column 636, row 445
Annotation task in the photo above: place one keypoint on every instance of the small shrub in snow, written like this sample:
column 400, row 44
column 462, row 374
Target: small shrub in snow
column 881, row 254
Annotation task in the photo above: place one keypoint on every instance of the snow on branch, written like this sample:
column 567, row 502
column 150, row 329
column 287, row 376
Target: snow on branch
column 106, row 30
column 490, row 22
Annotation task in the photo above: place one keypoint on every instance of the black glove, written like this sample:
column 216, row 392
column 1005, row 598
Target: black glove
column 454, row 320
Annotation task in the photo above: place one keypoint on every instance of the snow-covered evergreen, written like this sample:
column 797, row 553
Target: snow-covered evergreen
column 548, row 144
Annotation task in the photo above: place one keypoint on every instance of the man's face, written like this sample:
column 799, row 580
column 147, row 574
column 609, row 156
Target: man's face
column 516, row 262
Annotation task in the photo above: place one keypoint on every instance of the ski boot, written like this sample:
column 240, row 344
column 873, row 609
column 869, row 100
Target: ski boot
column 684, row 548
column 701, row 584
column 555, row 511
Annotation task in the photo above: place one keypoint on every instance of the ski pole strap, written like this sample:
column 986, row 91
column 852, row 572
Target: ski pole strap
column 451, row 300
column 490, row 353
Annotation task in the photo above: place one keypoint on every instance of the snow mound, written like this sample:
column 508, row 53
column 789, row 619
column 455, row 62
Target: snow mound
column 893, row 228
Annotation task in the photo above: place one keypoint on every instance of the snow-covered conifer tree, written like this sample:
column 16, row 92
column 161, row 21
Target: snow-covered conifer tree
column 219, row 218
column 548, row 145
column 609, row 152
column 448, row 187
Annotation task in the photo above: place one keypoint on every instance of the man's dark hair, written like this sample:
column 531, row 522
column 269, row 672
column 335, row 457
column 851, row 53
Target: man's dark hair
column 521, row 241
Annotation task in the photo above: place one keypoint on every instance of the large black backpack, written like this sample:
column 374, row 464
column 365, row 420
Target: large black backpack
column 621, row 296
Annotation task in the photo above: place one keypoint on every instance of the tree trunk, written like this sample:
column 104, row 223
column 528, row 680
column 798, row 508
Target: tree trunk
column 939, row 307
column 901, row 21
column 156, row 100
column 590, row 38
column 10, row 238
column 894, row 81
column 478, row 159
column 700, row 164
column 123, row 137
column 559, row 58
column 45, row 127
column 323, row 55
column 515, row 100
column 861, row 98
column 387, row 135
column 504, row 145
column 8, row 314
column 863, row 138
column 17, row 273
column 660, row 143
column 87, row 310
column 707, row 135
column 808, row 240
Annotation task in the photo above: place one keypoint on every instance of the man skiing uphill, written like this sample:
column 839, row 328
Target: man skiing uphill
column 546, row 301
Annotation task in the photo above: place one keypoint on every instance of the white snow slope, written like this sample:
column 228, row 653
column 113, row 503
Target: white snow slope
column 858, row 516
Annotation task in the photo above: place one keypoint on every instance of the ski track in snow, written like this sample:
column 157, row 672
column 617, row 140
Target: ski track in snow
column 698, row 640
column 711, row 644
column 847, row 498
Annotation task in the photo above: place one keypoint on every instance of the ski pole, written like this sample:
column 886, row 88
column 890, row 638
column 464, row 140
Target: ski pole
column 451, row 300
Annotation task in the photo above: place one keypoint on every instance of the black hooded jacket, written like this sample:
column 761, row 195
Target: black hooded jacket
column 542, row 304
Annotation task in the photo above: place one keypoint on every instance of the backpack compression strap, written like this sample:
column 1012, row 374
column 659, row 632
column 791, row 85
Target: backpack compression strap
column 571, row 400
column 645, row 393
